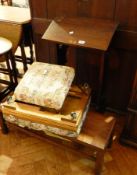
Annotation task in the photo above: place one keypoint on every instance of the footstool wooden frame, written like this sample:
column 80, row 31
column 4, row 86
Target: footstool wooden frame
column 94, row 139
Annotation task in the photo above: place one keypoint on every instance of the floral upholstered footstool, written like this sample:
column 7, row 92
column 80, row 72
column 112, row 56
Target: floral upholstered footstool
column 45, row 100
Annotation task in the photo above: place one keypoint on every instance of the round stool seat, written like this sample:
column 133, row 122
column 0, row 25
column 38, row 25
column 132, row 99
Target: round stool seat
column 9, row 81
column 5, row 45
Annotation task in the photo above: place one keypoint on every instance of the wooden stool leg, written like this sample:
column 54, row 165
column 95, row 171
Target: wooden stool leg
column 99, row 162
column 24, row 59
column 11, row 65
column 111, row 140
column 31, row 53
column 14, row 68
column 30, row 42
column 9, row 69
column 3, row 124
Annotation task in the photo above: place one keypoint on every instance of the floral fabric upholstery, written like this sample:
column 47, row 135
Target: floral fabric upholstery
column 40, row 127
column 20, row 3
column 45, row 128
column 45, row 85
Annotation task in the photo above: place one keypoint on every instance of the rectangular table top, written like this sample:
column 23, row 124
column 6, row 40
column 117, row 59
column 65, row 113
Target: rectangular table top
column 97, row 130
column 15, row 14
column 82, row 32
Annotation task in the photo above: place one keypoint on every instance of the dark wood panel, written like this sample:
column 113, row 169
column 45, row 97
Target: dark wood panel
column 89, row 8
column 132, row 108
column 125, row 39
column 120, row 74
column 41, row 48
column 126, row 14
column 120, row 78
column 87, row 67
column 102, row 9
column 84, row 8
column 61, row 8
column 129, row 134
column 40, row 25
column 45, row 51
column 38, row 8
column 94, row 8
column 122, row 66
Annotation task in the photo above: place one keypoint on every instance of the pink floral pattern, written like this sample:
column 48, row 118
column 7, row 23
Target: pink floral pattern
column 45, row 85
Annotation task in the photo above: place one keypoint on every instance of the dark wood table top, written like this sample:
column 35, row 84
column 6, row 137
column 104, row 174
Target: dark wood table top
column 82, row 32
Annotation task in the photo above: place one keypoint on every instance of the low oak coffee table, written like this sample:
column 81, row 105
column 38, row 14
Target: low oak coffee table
column 94, row 139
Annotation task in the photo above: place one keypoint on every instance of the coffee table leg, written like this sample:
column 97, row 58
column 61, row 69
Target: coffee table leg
column 99, row 162
column 3, row 124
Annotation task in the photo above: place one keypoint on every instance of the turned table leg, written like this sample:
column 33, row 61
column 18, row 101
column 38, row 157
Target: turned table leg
column 99, row 162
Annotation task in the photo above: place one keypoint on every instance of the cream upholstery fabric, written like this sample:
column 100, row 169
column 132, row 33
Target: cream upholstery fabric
column 45, row 85
column 46, row 128
column 20, row 3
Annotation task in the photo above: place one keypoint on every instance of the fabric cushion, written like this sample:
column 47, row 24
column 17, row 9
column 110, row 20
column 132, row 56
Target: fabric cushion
column 20, row 3
column 45, row 85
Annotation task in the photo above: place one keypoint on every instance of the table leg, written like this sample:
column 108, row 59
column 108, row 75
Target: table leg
column 14, row 69
column 101, row 101
column 99, row 162
column 23, row 54
column 3, row 124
